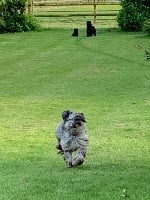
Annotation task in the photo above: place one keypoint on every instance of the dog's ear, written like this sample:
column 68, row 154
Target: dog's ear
column 65, row 114
column 82, row 117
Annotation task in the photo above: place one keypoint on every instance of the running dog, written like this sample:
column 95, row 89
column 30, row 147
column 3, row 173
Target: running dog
column 72, row 137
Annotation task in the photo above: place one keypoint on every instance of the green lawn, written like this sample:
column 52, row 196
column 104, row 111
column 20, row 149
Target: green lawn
column 108, row 78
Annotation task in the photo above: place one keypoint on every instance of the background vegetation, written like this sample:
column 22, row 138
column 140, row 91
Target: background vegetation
column 13, row 17
column 146, row 26
column 107, row 78
column 133, row 14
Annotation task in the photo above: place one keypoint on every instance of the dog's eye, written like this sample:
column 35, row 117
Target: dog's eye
column 77, row 119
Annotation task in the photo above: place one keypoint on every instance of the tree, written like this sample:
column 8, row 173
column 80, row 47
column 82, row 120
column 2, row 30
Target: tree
column 2, row 8
column 13, row 17
column 133, row 14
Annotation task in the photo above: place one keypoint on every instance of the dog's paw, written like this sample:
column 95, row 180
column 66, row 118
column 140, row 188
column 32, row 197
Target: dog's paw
column 61, row 152
column 69, row 165
column 58, row 146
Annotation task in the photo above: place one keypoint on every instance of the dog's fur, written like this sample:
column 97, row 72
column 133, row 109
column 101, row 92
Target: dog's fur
column 72, row 137
column 90, row 29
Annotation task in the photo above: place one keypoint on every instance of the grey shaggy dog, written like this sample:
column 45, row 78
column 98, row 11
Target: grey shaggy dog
column 72, row 137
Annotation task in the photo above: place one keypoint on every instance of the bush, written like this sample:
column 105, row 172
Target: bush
column 133, row 14
column 2, row 8
column 30, row 24
column 146, row 26
column 2, row 25
column 14, row 18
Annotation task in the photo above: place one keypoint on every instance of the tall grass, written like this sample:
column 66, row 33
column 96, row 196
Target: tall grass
column 107, row 78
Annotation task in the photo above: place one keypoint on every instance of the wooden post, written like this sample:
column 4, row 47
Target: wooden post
column 30, row 7
column 94, row 3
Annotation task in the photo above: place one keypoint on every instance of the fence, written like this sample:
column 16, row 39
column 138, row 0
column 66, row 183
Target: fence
column 40, row 5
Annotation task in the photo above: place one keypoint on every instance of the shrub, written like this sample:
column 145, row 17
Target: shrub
column 133, row 14
column 2, row 25
column 2, row 8
column 30, row 23
column 146, row 26
column 14, row 18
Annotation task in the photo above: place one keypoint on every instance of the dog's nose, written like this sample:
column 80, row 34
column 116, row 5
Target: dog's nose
column 77, row 123
column 73, row 125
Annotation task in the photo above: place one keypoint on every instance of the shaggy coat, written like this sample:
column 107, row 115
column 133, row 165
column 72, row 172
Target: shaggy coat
column 72, row 137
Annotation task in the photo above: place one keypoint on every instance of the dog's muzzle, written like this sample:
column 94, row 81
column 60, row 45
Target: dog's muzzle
column 75, row 122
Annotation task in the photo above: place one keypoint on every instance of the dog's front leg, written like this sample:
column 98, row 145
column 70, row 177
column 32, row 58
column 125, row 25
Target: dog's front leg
column 79, row 157
column 68, row 158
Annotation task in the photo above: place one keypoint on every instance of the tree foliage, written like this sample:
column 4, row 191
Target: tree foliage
column 13, row 17
column 146, row 27
column 2, row 8
column 133, row 14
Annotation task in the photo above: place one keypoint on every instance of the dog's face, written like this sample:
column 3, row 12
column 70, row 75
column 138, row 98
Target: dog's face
column 73, row 122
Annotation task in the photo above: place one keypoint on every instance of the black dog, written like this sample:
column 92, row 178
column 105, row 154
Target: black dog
column 75, row 32
column 90, row 30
